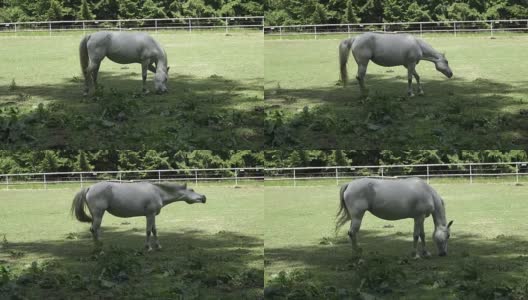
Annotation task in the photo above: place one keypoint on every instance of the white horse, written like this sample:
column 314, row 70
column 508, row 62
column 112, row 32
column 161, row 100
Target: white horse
column 123, row 48
column 394, row 200
column 389, row 50
column 129, row 200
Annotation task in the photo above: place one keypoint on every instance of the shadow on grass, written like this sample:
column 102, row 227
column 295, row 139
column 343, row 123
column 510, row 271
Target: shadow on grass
column 192, row 265
column 454, row 113
column 212, row 113
column 476, row 268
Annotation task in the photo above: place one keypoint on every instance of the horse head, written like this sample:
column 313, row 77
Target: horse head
column 160, row 79
column 189, row 195
column 441, row 236
column 442, row 66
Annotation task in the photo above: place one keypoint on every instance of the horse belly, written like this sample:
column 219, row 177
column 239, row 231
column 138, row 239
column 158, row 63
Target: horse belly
column 387, row 61
column 391, row 214
column 123, row 59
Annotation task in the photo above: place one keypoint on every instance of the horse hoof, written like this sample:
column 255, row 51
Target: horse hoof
column 421, row 93
column 158, row 247
column 146, row 92
column 426, row 254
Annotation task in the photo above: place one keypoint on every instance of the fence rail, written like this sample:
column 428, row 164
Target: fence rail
column 196, row 176
column 186, row 24
column 513, row 172
column 452, row 27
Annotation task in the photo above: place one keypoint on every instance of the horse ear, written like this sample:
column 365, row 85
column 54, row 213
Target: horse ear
column 168, row 68
column 449, row 225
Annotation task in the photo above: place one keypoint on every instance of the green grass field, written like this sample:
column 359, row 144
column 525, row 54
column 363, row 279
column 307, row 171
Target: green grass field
column 209, row 251
column 488, row 249
column 214, row 99
column 483, row 105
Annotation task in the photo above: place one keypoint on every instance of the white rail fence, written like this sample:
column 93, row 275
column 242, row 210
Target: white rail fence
column 455, row 28
column 234, row 176
column 224, row 24
column 510, row 172
column 513, row 172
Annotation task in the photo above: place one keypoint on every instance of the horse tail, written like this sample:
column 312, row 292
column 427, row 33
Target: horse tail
column 83, row 54
column 78, row 204
column 342, row 215
column 344, row 53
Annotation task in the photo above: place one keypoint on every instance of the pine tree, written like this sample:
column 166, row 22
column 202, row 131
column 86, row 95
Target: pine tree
column 85, row 12
column 55, row 11
column 350, row 13
column 82, row 163
column 151, row 10
column 319, row 15
column 51, row 162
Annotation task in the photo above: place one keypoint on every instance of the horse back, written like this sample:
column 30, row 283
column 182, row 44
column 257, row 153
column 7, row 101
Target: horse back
column 394, row 199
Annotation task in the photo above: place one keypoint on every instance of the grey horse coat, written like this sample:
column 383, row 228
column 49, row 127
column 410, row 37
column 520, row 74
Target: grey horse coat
column 123, row 48
column 389, row 50
column 394, row 200
column 129, row 200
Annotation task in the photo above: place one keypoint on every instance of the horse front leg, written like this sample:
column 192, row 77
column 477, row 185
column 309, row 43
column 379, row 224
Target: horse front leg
column 416, row 236
column 410, row 70
column 425, row 253
column 417, row 77
column 155, row 234
column 150, row 224
column 144, row 69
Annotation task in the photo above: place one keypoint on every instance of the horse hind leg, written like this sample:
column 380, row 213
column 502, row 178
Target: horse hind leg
column 355, row 225
column 90, row 77
column 362, row 71
column 95, row 229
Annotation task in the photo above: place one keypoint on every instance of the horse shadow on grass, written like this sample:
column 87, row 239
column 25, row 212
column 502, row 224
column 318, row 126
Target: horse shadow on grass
column 455, row 113
column 212, row 113
column 192, row 264
column 475, row 268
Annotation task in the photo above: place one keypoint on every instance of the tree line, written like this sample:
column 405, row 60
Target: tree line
column 54, row 10
column 12, row 162
column 292, row 12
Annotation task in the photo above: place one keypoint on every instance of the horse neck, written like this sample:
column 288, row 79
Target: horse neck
column 162, row 59
column 166, row 197
column 439, row 217
column 429, row 53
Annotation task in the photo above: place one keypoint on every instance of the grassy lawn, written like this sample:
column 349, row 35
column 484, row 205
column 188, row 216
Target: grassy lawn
column 214, row 100
column 209, row 251
column 488, row 249
column 483, row 105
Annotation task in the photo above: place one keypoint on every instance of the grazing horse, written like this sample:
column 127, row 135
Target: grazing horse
column 394, row 200
column 123, row 48
column 389, row 50
column 129, row 200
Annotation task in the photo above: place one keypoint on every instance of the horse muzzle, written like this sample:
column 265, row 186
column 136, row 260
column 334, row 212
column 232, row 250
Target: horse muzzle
column 204, row 199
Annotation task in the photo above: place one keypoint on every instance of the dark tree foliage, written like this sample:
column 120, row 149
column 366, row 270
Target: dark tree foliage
column 44, row 10
column 288, row 12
